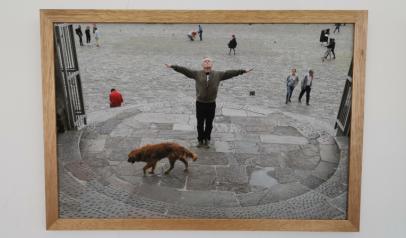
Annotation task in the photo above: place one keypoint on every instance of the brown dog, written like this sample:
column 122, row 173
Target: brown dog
column 151, row 154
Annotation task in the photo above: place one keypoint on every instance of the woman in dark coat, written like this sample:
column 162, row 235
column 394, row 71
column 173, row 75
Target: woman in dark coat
column 80, row 34
column 87, row 33
column 322, row 33
column 324, row 36
column 330, row 49
column 232, row 44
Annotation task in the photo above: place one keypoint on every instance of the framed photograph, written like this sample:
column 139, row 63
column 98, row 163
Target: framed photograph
column 203, row 120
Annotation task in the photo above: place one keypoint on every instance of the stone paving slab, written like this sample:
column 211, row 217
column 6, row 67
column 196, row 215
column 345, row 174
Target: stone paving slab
column 278, row 148
column 281, row 192
column 177, row 179
column 324, row 170
column 284, row 175
column 299, row 160
column 246, row 159
column 208, row 199
column 273, row 159
column 312, row 181
column 183, row 127
column 274, row 139
column 329, row 153
column 246, row 147
column 201, row 177
column 212, row 158
column 232, row 178
column 223, row 146
column 261, row 177
column 122, row 130
column 160, row 193
column 68, row 144
column 234, row 112
column 161, row 118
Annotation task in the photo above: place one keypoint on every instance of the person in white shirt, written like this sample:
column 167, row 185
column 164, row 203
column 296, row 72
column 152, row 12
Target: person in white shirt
column 307, row 86
column 97, row 37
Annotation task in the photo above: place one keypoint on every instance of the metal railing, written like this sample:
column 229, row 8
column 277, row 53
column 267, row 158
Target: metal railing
column 68, row 82
column 343, row 121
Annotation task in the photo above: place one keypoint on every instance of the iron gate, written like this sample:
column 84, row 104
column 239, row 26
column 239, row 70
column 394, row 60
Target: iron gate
column 70, row 107
column 343, row 121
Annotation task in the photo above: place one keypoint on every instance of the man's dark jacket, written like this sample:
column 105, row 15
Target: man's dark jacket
column 206, row 91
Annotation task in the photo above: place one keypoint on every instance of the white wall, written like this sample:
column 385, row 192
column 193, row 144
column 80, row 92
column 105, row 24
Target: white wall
column 22, row 204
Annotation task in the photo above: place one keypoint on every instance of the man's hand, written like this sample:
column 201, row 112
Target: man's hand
column 247, row 71
column 168, row 65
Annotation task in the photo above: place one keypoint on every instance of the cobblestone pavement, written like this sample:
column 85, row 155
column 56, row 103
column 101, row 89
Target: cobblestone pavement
column 266, row 159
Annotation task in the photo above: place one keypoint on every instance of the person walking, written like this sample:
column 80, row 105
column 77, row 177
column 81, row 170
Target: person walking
column 324, row 35
column 291, row 81
column 87, row 33
column 232, row 44
column 330, row 49
column 116, row 99
column 306, row 86
column 200, row 31
column 97, row 37
column 337, row 25
column 80, row 34
column 207, row 82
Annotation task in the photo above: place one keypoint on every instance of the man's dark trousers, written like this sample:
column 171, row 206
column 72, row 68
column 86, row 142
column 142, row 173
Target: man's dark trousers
column 205, row 115
column 307, row 89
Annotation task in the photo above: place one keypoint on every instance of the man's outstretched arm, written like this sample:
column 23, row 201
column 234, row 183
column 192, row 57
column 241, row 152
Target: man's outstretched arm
column 233, row 73
column 183, row 70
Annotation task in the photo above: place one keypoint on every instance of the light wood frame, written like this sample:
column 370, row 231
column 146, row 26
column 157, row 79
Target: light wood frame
column 50, row 17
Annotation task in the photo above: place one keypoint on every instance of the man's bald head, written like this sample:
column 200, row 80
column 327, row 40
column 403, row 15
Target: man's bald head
column 207, row 64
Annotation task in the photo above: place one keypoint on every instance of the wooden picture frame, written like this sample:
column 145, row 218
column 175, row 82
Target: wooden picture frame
column 49, row 17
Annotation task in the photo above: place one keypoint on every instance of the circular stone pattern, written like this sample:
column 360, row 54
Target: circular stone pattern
column 257, row 166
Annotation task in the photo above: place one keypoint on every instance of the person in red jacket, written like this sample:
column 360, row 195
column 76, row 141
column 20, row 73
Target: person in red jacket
column 115, row 98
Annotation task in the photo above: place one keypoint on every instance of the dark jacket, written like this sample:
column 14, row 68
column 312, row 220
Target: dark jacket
column 232, row 44
column 79, row 32
column 324, row 35
column 206, row 91
column 331, row 45
column 304, row 82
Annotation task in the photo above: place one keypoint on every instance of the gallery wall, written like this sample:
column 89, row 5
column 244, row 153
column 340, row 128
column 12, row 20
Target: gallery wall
column 22, row 203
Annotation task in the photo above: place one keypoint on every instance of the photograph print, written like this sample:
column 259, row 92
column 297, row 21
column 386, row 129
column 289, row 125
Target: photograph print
column 221, row 121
